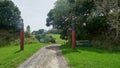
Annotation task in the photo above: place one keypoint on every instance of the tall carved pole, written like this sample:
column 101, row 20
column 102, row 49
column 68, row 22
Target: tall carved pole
column 73, row 34
column 22, row 35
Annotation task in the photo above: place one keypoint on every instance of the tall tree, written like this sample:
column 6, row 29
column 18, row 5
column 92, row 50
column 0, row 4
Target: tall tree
column 92, row 17
column 62, row 18
column 59, row 15
column 28, row 31
column 110, row 9
column 9, row 15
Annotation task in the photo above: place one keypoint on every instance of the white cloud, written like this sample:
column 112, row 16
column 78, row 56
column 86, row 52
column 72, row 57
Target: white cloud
column 34, row 12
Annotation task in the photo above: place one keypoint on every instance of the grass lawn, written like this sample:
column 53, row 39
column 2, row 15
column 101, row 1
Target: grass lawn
column 10, row 56
column 57, row 38
column 88, row 57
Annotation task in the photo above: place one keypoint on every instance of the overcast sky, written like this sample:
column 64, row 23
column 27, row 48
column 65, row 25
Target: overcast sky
column 34, row 12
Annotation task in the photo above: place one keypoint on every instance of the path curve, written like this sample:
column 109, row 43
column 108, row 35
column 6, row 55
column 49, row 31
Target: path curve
column 47, row 57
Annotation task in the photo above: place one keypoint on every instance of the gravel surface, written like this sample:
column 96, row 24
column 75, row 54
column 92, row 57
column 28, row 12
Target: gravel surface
column 47, row 57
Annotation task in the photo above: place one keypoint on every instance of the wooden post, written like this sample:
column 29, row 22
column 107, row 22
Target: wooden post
column 73, row 35
column 22, row 36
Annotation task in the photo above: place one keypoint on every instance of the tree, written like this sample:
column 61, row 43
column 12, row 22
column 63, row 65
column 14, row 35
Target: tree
column 38, row 32
column 28, row 29
column 94, row 19
column 28, row 32
column 110, row 9
column 57, row 16
column 41, row 31
column 62, row 18
column 9, row 16
column 53, row 31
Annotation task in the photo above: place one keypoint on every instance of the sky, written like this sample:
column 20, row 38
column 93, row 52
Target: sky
column 34, row 12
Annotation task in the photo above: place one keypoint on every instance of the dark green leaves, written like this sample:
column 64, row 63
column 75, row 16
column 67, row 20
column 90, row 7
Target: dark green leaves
column 71, row 1
column 9, row 15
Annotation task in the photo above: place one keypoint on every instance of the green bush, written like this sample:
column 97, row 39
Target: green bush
column 50, row 39
column 30, row 40
column 7, row 37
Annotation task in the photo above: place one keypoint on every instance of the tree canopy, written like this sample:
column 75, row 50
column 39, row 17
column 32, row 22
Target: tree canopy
column 93, row 18
column 9, row 16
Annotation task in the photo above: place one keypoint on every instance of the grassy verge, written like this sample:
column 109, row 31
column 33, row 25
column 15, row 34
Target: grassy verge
column 10, row 56
column 57, row 38
column 84, row 57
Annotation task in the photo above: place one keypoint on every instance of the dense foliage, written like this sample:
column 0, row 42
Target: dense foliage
column 93, row 18
column 43, row 36
column 10, row 20
column 9, row 16
column 53, row 31
column 72, row 11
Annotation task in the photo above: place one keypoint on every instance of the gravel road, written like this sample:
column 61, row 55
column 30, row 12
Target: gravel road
column 47, row 57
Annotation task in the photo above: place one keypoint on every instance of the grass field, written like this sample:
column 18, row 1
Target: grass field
column 88, row 57
column 10, row 56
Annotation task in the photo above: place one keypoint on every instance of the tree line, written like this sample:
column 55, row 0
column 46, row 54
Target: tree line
column 94, row 19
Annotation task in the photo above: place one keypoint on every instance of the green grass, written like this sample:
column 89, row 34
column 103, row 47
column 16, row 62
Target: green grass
column 10, row 56
column 88, row 57
column 57, row 38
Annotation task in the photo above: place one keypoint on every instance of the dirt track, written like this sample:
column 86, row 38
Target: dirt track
column 47, row 57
